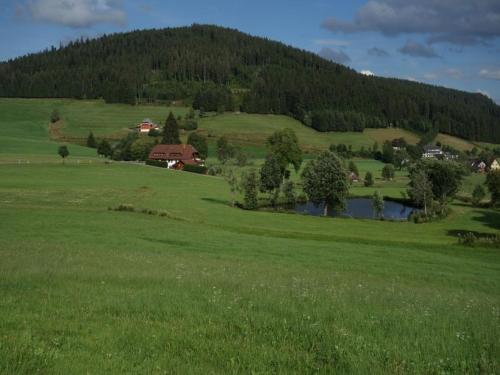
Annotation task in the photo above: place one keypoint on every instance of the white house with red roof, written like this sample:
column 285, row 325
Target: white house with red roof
column 146, row 126
column 176, row 156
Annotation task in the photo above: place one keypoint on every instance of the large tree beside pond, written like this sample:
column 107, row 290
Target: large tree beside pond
column 270, row 177
column 420, row 190
column 284, row 144
column 378, row 205
column 325, row 181
column 446, row 178
column 250, row 187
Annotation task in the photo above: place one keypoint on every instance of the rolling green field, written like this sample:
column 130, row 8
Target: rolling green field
column 207, row 288
column 250, row 131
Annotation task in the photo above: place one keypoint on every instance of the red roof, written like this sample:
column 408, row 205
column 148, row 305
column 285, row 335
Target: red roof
column 147, row 126
column 174, row 152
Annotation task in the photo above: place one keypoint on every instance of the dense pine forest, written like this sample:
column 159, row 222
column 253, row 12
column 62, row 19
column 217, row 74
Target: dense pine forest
column 217, row 69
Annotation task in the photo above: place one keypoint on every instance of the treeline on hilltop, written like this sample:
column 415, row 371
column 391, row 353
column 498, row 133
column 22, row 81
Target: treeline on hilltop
column 216, row 68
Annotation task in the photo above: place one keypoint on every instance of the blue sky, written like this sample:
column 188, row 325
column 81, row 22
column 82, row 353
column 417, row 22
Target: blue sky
column 454, row 43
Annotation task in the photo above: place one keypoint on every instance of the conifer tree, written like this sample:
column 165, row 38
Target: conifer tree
column 171, row 131
column 91, row 142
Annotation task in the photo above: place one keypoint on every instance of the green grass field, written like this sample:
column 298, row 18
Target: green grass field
column 208, row 288
column 249, row 131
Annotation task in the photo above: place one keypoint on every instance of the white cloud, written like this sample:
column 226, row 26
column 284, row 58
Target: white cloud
column 340, row 57
column 78, row 13
column 484, row 92
column 367, row 73
column 416, row 49
column 461, row 22
column 430, row 76
column 332, row 42
column 490, row 74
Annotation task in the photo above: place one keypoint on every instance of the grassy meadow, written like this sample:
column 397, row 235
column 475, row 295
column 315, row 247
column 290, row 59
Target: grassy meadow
column 207, row 288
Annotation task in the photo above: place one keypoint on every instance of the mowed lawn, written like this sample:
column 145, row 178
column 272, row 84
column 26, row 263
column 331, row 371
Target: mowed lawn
column 207, row 288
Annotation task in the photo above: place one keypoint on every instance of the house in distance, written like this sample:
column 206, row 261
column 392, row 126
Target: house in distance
column 176, row 156
column 495, row 165
column 432, row 152
column 146, row 126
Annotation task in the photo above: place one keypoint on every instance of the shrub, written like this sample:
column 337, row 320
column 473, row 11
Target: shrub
column 289, row 193
column 214, row 170
column 195, row 169
column 125, row 207
column 368, row 179
column 156, row 163
column 388, row 172
column 54, row 116
column 472, row 239
column 250, row 185
column 190, row 125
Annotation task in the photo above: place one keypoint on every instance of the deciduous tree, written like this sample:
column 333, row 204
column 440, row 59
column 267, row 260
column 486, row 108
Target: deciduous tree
column 493, row 183
column 325, row 181
column 250, row 187
column 378, row 204
column 388, row 172
column 270, row 177
column 104, row 149
column 63, row 152
column 420, row 189
column 368, row 179
column 284, row 144
column 199, row 142
column 234, row 185
column 224, row 150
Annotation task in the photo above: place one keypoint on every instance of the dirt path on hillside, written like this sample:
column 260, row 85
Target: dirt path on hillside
column 56, row 134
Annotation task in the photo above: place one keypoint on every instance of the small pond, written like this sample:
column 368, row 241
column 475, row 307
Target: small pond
column 360, row 208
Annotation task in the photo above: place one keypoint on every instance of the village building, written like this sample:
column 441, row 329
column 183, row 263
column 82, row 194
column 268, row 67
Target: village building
column 176, row 156
column 450, row 156
column 432, row 152
column 353, row 177
column 146, row 126
column 398, row 144
column 479, row 166
column 495, row 165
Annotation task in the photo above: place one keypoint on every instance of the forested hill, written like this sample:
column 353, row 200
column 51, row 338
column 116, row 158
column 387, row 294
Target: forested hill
column 217, row 68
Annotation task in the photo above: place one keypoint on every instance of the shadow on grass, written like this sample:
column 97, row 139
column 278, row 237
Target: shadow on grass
column 216, row 201
column 489, row 218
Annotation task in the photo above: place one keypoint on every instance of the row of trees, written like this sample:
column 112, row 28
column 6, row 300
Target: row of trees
column 273, row 176
column 338, row 121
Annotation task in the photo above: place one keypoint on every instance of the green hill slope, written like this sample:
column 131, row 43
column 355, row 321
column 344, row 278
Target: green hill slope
column 214, row 67
column 25, row 121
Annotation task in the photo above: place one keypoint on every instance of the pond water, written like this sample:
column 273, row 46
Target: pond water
column 360, row 208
